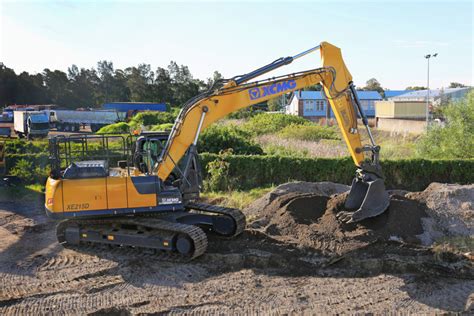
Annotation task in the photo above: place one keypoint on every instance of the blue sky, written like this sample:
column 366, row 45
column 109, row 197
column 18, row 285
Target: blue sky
column 385, row 40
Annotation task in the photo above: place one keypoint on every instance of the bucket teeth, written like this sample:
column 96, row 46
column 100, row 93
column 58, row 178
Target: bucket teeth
column 368, row 198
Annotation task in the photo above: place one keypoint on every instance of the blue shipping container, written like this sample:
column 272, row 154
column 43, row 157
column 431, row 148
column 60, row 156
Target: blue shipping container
column 132, row 106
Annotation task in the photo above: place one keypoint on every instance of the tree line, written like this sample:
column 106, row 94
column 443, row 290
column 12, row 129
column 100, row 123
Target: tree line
column 81, row 87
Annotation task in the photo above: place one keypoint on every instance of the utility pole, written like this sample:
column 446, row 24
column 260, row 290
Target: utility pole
column 428, row 89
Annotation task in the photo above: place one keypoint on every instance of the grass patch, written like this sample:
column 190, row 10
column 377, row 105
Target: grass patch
column 278, row 150
column 235, row 199
column 266, row 123
column 273, row 144
column 117, row 128
column 309, row 132
column 162, row 127
column 394, row 145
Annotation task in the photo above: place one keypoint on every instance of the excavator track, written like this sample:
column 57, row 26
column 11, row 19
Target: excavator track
column 154, row 226
column 237, row 216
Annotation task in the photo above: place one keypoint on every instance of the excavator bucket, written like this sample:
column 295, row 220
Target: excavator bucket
column 368, row 198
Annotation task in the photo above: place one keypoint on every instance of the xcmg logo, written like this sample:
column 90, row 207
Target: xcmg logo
column 257, row 93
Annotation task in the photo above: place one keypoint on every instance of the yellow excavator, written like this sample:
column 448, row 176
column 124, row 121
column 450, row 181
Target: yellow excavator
column 150, row 200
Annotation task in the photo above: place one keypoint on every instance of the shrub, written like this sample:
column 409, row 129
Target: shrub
column 272, row 122
column 221, row 137
column 162, row 127
column 175, row 111
column 244, row 113
column 309, row 132
column 150, row 118
column 28, row 172
column 21, row 146
column 218, row 173
column 456, row 139
column 117, row 128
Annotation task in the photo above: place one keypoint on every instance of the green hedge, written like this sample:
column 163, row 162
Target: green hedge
column 410, row 174
column 251, row 171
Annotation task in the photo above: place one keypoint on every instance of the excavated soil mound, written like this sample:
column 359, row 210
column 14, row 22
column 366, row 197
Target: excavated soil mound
column 309, row 220
column 402, row 220
column 286, row 191
column 451, row 206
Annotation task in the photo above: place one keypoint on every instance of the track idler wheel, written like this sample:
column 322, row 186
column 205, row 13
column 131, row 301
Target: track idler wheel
column 184, row 245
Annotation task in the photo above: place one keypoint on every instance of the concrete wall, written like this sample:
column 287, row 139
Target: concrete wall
column 401, row 126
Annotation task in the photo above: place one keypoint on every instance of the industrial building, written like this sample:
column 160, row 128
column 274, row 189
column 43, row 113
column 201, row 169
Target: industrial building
column 436, row 96
column 313, row 104
column 395, row 93
column 401, row 116
column 406, row 112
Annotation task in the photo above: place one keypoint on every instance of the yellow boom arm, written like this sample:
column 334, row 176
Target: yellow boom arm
column 202, row 112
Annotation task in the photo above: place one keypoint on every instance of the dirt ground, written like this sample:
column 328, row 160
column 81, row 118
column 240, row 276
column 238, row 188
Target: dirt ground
column 294, row 257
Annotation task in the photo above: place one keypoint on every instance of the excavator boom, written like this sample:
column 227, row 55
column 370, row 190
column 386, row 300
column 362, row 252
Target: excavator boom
column 237, row 93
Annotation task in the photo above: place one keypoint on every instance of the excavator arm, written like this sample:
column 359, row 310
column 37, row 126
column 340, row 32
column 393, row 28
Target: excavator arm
column 368, row 194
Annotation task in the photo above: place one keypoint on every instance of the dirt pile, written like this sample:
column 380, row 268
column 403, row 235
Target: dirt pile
column 309, row 220
column 304, row 213
column 450, row 205
column 283, row 193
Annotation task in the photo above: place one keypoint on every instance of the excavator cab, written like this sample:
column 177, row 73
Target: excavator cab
column 147, row 150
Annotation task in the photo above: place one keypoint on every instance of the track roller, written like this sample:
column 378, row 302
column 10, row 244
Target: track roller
column 181, row 240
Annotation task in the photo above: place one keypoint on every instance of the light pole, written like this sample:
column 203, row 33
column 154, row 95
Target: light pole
column 428, row 89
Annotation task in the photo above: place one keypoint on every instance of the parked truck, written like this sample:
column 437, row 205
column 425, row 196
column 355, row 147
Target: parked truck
column 31, row 123
column 7, row 115
column 71, row 120
column 130, row 109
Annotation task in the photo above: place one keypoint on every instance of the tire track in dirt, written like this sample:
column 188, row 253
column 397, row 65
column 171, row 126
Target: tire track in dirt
column 49, row 283
column 74, row 272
